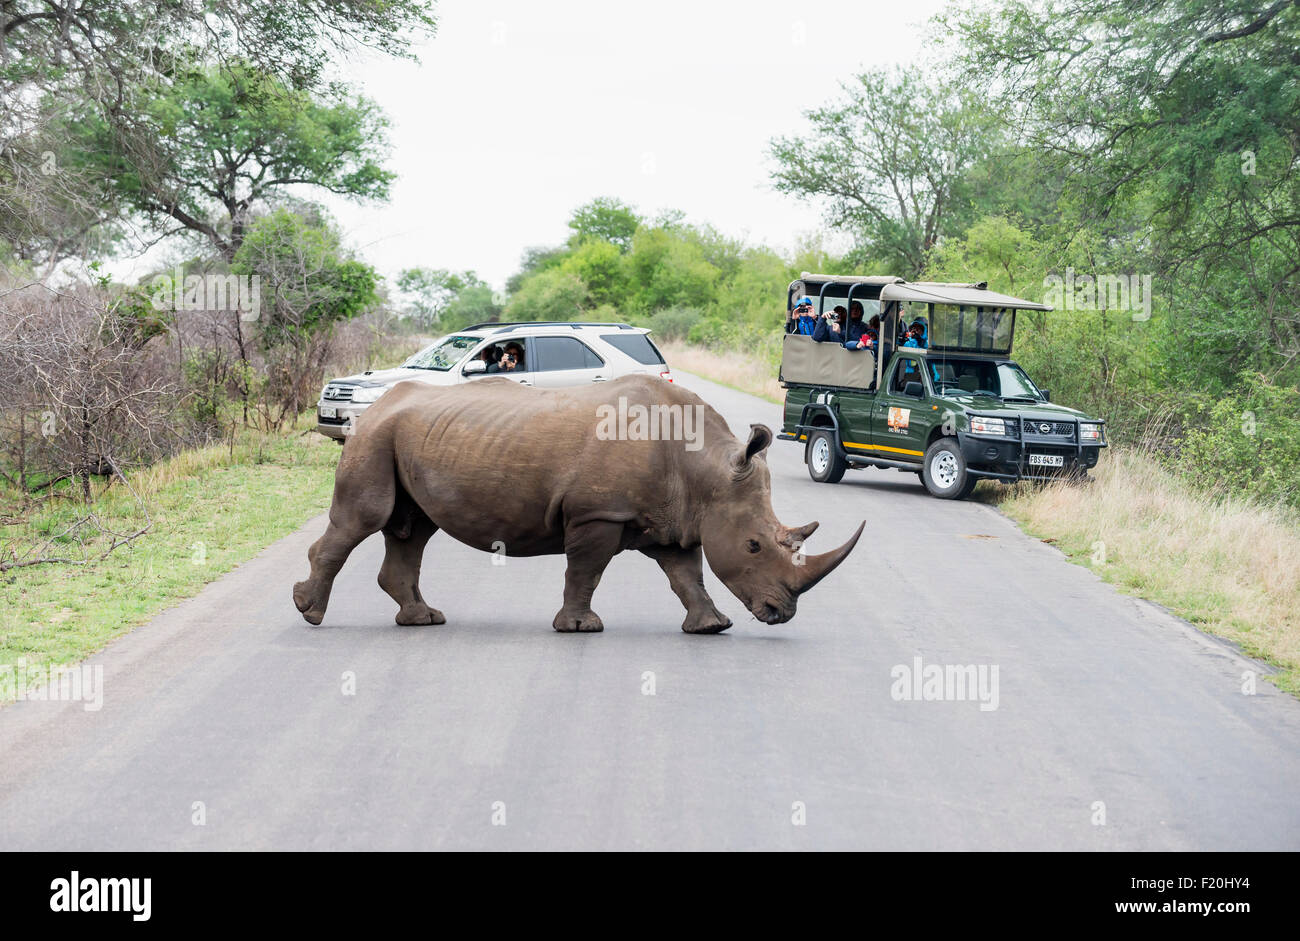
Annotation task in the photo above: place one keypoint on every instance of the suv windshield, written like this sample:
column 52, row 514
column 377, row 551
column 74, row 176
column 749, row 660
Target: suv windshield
column 981, row 377
column 442, row 355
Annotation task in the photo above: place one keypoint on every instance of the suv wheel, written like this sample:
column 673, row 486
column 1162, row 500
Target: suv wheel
column 825, row 465
column 944, row 471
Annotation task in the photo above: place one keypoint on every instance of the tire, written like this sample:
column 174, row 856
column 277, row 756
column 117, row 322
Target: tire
column 944, row 471
column 825, row 464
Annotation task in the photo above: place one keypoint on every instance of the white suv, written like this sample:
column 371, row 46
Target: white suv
column 553, row 354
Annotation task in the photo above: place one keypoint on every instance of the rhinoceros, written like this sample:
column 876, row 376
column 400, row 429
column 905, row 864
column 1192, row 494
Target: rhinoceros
column 534, row 471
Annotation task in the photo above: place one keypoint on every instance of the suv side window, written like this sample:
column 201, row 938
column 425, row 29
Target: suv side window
column 552, row 353
column 905, row 371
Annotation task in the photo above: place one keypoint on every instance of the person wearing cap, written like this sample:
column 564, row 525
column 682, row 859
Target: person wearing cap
column 801, row 319
column 916, row 334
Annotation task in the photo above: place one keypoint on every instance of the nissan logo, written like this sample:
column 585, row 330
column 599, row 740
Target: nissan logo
column 1045, row 428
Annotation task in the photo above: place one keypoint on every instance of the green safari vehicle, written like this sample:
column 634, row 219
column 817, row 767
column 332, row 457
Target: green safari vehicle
column 954, row 409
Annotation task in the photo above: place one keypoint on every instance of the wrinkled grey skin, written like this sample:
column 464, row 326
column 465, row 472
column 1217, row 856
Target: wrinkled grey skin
column 494, row 462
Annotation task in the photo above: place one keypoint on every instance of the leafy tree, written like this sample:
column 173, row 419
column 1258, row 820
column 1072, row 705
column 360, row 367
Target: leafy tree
column 307, row 283
column 228, row 141
column 668, row 270
column 1183, row 114
column 889, row 160
column 535, row 259
column 476, row 303
column 437, row 297
column 607, row 220
column 105, row 62
column 600, row 266
column 550, row 295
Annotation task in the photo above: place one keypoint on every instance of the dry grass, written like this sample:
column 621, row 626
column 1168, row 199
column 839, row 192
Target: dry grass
column 737, row 370
column 1227, row 565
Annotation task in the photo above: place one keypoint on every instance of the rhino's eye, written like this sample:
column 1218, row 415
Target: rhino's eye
column 753, row 545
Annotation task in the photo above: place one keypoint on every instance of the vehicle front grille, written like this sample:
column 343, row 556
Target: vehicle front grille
column 335, row 393
column 1049, row 429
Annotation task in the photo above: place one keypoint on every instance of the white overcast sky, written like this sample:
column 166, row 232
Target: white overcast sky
column 520, row 111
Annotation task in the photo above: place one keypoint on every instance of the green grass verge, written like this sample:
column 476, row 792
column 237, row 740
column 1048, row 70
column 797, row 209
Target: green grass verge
column 211, row 510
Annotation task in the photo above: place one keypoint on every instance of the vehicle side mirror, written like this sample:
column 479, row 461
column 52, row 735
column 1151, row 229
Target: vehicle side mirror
column 915, row 390
column 1047, row 394
column 472, row 367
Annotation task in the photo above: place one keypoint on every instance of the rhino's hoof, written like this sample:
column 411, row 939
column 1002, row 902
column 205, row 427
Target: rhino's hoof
column 714, row 624
column 413, row 614
column 587, row 623
column 302, row 600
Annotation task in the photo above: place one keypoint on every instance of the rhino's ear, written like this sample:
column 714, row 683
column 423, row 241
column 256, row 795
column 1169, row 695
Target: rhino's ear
column 760, row 436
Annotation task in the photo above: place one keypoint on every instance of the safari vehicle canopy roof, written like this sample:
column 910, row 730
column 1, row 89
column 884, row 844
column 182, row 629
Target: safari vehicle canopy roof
column 970, row 295
column 923, row 292
column 973, row 319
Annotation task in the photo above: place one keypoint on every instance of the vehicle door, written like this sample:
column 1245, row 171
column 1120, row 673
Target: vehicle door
column 902, row 422
column 565, row 361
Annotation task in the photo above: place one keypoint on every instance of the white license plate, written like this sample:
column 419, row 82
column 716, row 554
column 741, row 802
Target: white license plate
column 1047, row 460
column 329, row 411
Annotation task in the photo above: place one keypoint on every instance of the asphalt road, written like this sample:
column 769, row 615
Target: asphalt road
column 1116, row 726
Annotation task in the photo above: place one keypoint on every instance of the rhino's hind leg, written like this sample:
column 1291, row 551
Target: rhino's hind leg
column 404, row 540
column 685, row 571
column 364, row 492
column 588, row 547
column 326, row 555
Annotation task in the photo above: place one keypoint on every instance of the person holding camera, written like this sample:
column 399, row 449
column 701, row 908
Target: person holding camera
column 801, row 319
column 830, row 327
column 512, row 360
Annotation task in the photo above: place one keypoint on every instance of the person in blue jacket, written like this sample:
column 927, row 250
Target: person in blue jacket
column 801, row 319
column 916, row 334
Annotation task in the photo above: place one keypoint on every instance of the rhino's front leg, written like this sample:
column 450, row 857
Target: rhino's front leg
column 685, row 571
column 588, row 547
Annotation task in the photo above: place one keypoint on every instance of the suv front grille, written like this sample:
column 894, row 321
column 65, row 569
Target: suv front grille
column 335, row 393
column 1049, row 429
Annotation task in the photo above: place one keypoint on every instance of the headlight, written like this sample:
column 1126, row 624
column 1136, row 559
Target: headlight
column 1089, row 431
column 368, row 394
column 988, row 426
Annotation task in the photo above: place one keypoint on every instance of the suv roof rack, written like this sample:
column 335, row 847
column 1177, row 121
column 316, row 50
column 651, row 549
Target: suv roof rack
column 511, row 324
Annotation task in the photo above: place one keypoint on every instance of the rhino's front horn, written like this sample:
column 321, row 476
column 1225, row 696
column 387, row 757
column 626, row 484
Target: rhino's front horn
column 817, row 567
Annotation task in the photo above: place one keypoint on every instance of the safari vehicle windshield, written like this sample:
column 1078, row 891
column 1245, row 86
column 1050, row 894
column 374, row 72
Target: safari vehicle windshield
column 981, row 377
column 442, row 355
column 974, row 329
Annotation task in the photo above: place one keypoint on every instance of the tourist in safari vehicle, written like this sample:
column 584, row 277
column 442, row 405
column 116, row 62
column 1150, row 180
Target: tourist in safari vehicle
column 944, row 401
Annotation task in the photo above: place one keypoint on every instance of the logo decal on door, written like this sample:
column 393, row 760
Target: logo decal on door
column 899, row 419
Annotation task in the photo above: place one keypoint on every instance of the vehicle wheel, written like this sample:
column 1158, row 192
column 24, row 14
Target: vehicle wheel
column 967, row 490
column 825, row 465
column 944, row 470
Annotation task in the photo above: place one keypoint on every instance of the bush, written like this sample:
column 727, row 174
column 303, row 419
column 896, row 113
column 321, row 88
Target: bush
column 674, row 323
column 1247, row 441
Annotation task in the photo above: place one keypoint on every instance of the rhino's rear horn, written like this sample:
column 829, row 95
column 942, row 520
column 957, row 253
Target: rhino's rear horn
column 817, row 567
column 792, row 537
